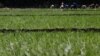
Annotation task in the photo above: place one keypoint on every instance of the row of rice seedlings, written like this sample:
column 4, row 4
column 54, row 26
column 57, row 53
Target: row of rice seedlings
column 50, row 44
column 44, row 22
column 45, row 12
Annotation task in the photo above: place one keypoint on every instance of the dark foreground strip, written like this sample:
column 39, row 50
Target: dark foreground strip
column 51, row 30
column 56, row 15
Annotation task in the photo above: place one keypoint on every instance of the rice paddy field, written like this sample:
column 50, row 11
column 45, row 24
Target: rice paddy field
column 45, row 43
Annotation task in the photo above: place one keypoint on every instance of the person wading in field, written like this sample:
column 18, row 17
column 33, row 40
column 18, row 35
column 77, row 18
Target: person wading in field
column 62, row 6
column 74, row 5
column 52, row 6
column 84, row 6
column 92, row 6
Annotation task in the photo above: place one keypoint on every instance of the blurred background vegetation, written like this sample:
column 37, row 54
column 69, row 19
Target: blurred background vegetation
column 41, row 3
